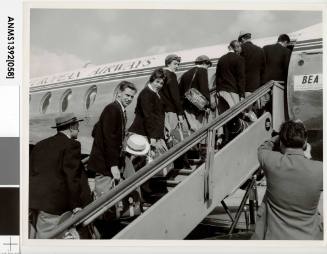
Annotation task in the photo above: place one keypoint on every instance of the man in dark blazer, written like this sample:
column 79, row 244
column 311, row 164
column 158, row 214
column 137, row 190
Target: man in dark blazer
column 277, row 59
column 56, row 185
column 254, row 63
column 230, row 75
column 196, row 77
column 169, row 93
column 109, row 133
column 289, row 210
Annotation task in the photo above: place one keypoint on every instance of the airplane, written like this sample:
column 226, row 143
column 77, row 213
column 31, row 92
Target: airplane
column 88, row 90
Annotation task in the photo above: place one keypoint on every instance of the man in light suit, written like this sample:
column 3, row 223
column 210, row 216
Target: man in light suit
column 289, row 210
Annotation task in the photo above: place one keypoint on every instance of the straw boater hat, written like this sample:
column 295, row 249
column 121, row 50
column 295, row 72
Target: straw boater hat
column 137, row 145
column 65, row 119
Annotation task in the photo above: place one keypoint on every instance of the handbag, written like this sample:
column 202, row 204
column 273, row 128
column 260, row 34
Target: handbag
column 195, row 97
column 179, row 134
column 155, row 154
column 128, row 207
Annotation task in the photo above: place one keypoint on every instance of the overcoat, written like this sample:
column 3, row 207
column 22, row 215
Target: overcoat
column 289, row 210
column 56, row 175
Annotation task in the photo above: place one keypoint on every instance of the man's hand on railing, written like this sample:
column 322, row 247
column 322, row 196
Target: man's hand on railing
column 115, row 172
column 213, row 105
column 76, row 210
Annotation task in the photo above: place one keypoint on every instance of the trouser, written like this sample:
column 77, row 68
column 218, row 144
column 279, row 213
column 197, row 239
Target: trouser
column 194, row 119
column 45, row 223
column 230, row 97
column 171, row 121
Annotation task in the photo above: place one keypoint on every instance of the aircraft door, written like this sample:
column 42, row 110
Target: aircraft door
column 304, row 92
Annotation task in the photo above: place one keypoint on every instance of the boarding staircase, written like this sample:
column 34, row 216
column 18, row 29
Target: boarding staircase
column 193, row 193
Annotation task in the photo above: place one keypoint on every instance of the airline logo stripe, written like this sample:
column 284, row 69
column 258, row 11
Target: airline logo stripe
column 108, row 77
column 307, row 48
column 299, row 46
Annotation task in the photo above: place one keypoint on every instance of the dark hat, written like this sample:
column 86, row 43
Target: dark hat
column 243, row 34
column 203, row 59
column 66, row 119
column 171, row 58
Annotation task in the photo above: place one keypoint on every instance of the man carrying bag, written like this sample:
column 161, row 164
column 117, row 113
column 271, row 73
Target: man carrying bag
column 194, row 87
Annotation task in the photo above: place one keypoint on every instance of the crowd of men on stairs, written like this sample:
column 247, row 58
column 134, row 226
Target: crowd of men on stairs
column 57, row 178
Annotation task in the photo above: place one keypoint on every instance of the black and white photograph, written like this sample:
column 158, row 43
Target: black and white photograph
column 171, row 123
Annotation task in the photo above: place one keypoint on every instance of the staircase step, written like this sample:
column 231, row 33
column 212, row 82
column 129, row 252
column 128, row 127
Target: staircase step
column 172, row 183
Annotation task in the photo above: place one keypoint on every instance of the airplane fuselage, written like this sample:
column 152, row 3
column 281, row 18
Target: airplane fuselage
column 87, row 91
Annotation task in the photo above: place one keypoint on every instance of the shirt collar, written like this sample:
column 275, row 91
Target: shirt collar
column 294, row 151
column 63, row 133
column 168, row 69
column 122, row 107
column 151, row 88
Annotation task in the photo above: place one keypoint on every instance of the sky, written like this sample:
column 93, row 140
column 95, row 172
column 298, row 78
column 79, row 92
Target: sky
column 67, row 39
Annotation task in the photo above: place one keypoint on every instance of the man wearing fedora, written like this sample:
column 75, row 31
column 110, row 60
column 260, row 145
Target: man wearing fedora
column 196, row 77
column 170, row 93
column 254, row 59
column 56, row 185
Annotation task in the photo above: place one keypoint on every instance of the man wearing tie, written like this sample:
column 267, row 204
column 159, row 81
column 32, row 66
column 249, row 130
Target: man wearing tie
column 109, row 133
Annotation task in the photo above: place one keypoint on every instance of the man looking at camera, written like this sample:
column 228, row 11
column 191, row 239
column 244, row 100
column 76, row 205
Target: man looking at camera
column 109, row 134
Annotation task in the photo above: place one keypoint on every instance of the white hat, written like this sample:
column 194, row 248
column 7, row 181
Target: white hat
column 137, row 145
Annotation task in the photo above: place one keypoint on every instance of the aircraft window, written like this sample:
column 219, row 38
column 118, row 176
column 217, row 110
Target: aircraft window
column 65, row 100
column 45, row 102
column 90, row 96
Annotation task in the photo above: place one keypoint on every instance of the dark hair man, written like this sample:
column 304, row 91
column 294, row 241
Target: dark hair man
column 109, row 133
column 254, row 63
column 170, row 93
column 277, row 59
column 56, row 175
column 230, row 75
column 289, row 210
column 196, row 77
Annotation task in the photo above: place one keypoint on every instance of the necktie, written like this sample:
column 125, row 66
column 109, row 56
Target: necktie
column 124, row 124
column 125, row 117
